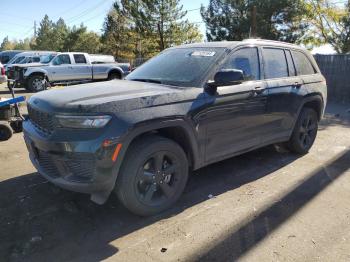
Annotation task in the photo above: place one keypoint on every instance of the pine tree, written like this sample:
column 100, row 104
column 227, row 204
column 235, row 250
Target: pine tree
column 277, row 20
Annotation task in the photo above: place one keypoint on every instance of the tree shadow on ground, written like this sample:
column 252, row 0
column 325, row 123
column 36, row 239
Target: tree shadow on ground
column 251, row 233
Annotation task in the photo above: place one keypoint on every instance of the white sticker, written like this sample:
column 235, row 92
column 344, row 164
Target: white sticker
column 203, row 53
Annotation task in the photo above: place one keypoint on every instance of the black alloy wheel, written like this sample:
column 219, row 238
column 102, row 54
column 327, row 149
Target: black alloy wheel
column 153, row 175
column 305, row 131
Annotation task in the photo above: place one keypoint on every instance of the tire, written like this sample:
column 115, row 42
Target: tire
column 36, row 83
column 5, row 131
column 17, row 126
column 153, row 175
column 114, row 76
column 305, row 132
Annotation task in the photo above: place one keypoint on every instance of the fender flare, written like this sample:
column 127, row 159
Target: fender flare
column 156, row 124
column 117, row 68
column 310, row 98
column 37, row 72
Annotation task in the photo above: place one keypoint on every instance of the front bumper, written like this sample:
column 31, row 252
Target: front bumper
column 80, row 166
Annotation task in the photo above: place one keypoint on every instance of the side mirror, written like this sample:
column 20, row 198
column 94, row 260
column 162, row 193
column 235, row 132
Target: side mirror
column 225, row 77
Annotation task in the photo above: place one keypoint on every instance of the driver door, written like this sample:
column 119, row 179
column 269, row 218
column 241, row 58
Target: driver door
column 60, row 69
column 235, row 115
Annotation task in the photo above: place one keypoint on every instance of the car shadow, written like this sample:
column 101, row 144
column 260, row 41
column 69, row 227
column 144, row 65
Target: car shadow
column 17, row 91
column 38, row 221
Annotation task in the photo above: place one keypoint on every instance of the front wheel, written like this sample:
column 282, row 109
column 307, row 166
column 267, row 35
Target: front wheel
column 153, row 175
column 37, row 83
column 305, row 131
column 5, row 131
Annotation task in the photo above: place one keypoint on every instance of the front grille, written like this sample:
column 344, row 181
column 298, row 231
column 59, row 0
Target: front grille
column 42, row 120
column 47, row 163
column 77, row 168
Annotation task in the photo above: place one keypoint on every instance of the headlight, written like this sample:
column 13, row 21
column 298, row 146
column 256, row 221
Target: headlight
column 83, row 121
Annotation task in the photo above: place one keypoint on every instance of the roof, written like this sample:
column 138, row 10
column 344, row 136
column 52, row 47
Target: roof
column 231, row 44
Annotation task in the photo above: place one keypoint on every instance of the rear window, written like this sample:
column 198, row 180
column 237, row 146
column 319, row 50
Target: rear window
column 303, row 64
column 79, row 59
column 275, row 63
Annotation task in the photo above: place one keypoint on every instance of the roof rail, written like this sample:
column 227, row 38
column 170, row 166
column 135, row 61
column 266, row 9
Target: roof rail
column 267, row 41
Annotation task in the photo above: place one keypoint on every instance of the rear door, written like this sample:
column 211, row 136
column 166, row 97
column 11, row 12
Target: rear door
column 81, row 68
column 284, row 93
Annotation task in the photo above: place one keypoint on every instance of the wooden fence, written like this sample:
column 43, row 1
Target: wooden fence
column 336, row 69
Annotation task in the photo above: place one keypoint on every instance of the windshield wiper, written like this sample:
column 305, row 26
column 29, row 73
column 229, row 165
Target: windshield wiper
column 147, row 80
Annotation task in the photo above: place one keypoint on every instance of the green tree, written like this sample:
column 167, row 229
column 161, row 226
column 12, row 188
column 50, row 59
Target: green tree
column 330, row 24
column 161, row 21
column 118, row 38
column 80, row 40
column 60, row 31
column 45, row 39
column 6, row 44
column 282, row 20
column 23, row 44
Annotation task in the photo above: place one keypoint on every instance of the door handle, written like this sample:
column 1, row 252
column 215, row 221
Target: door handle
column 297, row 85
column 259, row 89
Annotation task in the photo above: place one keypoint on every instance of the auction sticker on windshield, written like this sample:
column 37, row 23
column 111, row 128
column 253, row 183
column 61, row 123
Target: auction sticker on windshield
column 203, row 53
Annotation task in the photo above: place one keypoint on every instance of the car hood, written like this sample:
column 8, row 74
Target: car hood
column 111, row 96
column 28, row 65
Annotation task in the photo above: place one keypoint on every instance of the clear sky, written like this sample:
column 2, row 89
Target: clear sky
column 17, row 16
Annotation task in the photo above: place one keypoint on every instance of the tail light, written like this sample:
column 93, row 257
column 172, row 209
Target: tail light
column 2, row 71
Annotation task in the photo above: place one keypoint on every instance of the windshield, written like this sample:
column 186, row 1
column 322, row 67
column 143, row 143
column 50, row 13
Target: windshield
column 15, row 59
column 180, row 67
column 45, row 59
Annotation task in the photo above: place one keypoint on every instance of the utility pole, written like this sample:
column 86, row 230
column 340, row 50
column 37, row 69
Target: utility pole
column 253, row 25
column 34, row 29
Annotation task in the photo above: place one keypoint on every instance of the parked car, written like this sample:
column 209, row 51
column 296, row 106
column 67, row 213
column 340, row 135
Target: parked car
column 3, row 77
column 188, row 107
column 30, row 57
column 69, row 68
column 26, row 58
column 6, row 56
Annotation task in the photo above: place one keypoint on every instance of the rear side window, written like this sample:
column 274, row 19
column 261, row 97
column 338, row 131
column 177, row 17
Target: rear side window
column 247, row 60
column 275, row 63
column 79, row 59
column 303, row 64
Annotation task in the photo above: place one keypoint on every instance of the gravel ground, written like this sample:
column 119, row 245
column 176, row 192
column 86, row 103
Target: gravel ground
column 261, row 206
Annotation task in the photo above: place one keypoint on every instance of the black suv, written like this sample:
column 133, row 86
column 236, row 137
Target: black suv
column 186, row 108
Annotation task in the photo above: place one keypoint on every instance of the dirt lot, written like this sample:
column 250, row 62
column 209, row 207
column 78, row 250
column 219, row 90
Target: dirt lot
column 262, row 206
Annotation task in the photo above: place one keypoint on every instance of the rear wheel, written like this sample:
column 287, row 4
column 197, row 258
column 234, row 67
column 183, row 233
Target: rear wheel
column 114, row 76
column 153, row 175
column 37, row 83
column 305, row 132
column 5, row 131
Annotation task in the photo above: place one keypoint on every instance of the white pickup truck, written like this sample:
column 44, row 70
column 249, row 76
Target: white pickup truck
column 69, row 68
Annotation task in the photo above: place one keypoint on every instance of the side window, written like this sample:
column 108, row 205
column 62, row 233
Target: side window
column 247, row 60
column 275, row 63
column 36, row 59
column 79, row 59
column 290, row 62
column 303, row 64
column 61, row 60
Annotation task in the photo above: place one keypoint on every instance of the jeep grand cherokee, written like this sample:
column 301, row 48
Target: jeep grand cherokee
column 186, row 108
